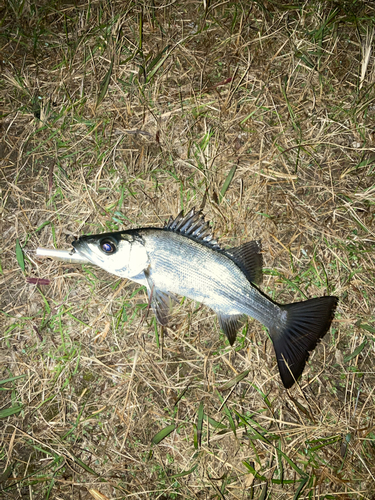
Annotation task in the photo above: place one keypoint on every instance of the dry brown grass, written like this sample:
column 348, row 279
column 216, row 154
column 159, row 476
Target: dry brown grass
column 93, row 141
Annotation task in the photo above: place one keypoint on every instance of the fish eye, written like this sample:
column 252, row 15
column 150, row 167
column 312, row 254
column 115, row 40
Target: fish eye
column 107, row 246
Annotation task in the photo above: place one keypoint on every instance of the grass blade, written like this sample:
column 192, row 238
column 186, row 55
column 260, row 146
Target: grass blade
column 163, row 434
column 6, row 380
column 356, row 352
column 263, row 438
column 104, row 84
column 369, row 328
column 228, row 414
column 253, row 471
column 19, row 255
column 215, row 424
column 186, row 473
column 195, row 436
column 85, row 467
column 155, row 63
column 10, row 411
column 234, row 381
column 200, row 424
column 158, row 61
column 300, row 487
column 227, row 182
column 263, row 494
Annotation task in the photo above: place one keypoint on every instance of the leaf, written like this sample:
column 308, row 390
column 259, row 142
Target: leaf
column 5, row 474
column 264, row 396
column 281, row 465
column 19, row 255
column 263, row 494
column 10, row 411
column 227, row 182
column 215, row 424
column 369, row 328
column 300, row 487
column 195, row 429
column 84, row 466
column 158, row 61
column 263, row 438
column 104, row 84
column 163, row 434
column 48, row 308
column 200, row 424
column 293, row 465
column 250, row 421
column 355, row 352
column 44, row 224
column 228, row 414
column 234, row 381
column 186, row 473
column 6, row 380
column 256, row 433
column 253, row 471
column 156, row 333
column 324, row 442
column 304, row 410
column 263, row 478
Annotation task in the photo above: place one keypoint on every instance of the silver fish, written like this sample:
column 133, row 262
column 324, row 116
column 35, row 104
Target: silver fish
column 183, row 258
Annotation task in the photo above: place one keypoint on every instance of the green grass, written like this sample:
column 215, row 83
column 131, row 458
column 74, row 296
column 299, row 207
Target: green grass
column 117, row 115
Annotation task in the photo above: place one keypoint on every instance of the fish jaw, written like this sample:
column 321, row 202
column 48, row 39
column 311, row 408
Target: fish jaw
column 129, row 260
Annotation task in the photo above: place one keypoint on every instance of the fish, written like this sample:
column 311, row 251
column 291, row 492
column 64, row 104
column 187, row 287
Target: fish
column 184, row 258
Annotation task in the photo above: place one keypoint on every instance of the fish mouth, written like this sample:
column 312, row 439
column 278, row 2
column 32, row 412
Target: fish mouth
column 79, row 247
column 83, row 249
column 79, row 257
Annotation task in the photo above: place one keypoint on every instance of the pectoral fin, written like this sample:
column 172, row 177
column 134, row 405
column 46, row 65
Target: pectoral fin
column 161, row 302
column 230, row 324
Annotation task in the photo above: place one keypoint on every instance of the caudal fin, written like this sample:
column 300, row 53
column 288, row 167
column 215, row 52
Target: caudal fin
column 305, row 324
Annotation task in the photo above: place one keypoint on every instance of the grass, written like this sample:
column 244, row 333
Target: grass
column 117, row 115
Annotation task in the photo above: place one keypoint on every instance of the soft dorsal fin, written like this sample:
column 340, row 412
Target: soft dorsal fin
column 194, row 226
column 249, row 259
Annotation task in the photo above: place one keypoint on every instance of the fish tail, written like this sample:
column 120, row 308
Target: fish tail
column 302, row 326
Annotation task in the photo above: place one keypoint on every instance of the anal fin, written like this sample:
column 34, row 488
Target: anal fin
column 230, row 324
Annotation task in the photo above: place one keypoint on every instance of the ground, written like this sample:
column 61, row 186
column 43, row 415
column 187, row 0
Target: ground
column 116, row 115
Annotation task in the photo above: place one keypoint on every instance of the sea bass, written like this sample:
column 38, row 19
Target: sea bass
column 183, row 258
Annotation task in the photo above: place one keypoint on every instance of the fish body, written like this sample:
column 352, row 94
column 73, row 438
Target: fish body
column 184, row 259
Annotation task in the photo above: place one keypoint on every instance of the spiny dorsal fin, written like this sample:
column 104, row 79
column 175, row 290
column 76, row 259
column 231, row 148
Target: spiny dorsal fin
column 194, row 226
column 249, row 259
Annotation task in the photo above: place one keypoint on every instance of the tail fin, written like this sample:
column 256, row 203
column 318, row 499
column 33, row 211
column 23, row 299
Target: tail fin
column 306, row 323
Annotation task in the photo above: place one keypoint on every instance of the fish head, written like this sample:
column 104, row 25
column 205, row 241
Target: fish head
column 121, row 253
